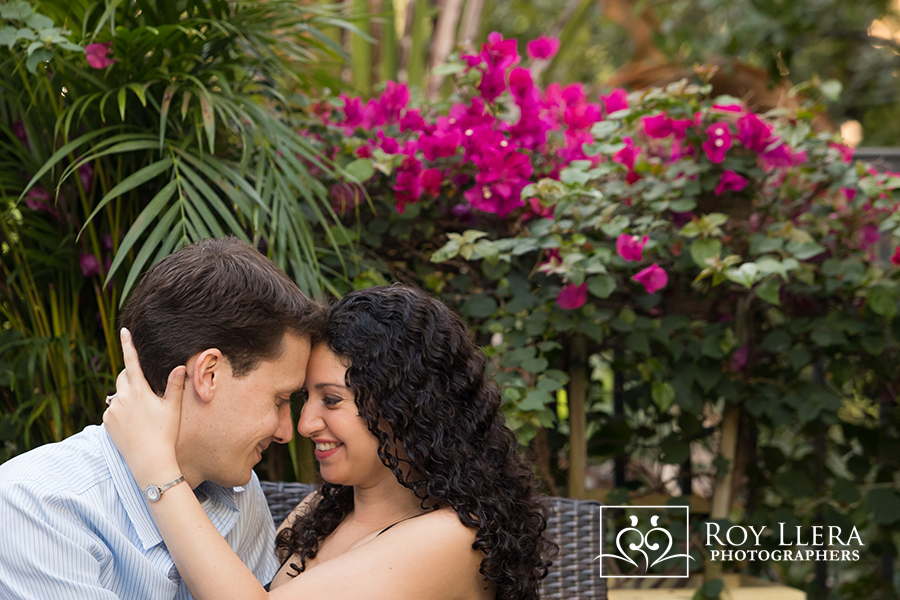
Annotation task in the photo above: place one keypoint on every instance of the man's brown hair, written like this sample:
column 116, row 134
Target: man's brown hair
column 216, row 293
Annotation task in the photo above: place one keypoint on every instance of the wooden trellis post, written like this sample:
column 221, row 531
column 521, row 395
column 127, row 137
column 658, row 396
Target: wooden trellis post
column 578, row 385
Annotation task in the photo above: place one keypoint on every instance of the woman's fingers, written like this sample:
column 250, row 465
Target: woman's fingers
column 132, row 364
column 175, row 386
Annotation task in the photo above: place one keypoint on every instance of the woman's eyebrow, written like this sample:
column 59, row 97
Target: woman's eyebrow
column 319, row 386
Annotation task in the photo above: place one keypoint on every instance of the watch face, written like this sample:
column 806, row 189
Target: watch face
column 152, row 493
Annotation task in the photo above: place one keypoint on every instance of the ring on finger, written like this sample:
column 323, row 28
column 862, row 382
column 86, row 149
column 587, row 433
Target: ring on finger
column 110, row 399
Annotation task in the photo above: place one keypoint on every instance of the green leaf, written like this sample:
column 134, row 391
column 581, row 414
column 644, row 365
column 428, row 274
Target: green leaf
column 744, row 275
column 37, row 58
column 209, row 120
column 831, row 89
column 536, row 365
column 707, row 377
column 134, row 180
column 150, row 212
column 479, row 306
column 122, row 101
column 638, row 342
column 674, row 452
column 19, row 10
column 704, row 249
column 360, row 169
column 663, row 395
column 535, row 400
column 449, row 68
column 873, row 344
column 770, row 291
column 804, row 250
column 39, row 21
column 845, row 491
column 884, row 505
column 882, row 302
column 601, row 286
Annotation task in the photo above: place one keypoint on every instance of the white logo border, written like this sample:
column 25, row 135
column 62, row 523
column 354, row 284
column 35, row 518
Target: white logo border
column 687, row 522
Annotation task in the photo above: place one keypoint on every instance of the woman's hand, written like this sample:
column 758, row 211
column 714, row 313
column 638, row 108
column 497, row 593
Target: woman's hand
column 143, row 426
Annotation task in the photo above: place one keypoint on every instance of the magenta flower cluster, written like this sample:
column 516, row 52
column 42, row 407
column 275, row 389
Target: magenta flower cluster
column 470, row 148
column 475, row 152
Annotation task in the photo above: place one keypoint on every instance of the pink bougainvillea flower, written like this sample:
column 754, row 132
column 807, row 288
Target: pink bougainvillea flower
column 627, row 155
column 98, row 55
column 778, row 156
column 345, row 196
column 521, row 85
column 740, row 358
column 730, row 182
column 353, row 111
column 388, row 144
column 431, row 182
column 38, row 199
column 658, row 126
column 849, row 193
column 536, row 209
column 630, row 247
column 493, row 83
column 90, row 266
column 499, row 182
column 441, row 143
column 393, row 100
column 409, row 183
column 728, row 108
column 18, row 129
column 868, row 235
column 85, row 174
column 616, row 100
column 895, row 259
column 572, row 296
column 552, row 257
column 581, row 116
column 500, row 53
column 754, row 133
column 680, row 127
column 653, row 278
column 718, row 143
column 543, row 48
column 412, row 120
column 845, row 150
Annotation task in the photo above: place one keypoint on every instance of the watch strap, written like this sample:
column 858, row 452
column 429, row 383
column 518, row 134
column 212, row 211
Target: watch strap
column 154, row 492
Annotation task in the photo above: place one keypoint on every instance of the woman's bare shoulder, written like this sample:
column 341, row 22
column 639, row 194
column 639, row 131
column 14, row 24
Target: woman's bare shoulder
column 424, row 558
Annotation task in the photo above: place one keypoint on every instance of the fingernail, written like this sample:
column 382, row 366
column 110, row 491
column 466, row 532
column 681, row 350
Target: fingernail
column 125, row 334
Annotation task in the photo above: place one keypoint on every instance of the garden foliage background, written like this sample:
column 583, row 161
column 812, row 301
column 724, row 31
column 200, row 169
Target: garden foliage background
column 697, row 294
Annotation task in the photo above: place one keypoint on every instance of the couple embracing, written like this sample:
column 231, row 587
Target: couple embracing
column 425, row 495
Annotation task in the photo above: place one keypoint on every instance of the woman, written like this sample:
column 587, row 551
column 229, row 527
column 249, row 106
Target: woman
column 426, row 496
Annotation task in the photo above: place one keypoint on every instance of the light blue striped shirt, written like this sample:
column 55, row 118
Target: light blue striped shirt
column 75, row 525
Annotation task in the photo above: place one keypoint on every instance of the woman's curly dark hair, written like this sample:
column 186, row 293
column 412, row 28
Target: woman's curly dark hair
column 415, row 370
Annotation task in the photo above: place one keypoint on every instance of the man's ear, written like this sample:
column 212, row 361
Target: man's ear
column 208, row 370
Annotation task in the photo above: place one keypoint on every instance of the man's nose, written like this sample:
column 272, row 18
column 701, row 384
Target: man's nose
column 285, row 430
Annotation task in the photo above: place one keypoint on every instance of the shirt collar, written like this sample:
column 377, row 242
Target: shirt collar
column 218, row 502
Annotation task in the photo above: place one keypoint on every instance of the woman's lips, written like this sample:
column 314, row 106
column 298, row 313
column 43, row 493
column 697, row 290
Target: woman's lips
column 326, row 449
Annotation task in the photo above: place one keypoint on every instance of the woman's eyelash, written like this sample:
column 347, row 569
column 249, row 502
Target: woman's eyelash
column 331, row 400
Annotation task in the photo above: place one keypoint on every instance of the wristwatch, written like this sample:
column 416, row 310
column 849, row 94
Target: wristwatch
column 154, row 492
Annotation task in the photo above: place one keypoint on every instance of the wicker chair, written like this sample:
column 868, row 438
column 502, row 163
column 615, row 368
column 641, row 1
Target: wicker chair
column 573, row 524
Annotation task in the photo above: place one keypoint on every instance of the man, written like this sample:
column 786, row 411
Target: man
column 73, row 522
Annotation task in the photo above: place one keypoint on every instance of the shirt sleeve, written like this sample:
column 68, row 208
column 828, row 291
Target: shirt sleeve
column 45, row 552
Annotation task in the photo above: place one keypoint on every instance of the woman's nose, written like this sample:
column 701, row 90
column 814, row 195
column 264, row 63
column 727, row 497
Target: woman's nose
column 309, row 422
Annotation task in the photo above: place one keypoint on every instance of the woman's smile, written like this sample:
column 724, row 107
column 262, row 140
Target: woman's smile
column 325, row 448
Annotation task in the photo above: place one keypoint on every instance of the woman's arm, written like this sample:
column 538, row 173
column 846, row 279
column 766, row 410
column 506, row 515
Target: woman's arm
column 427, row 558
